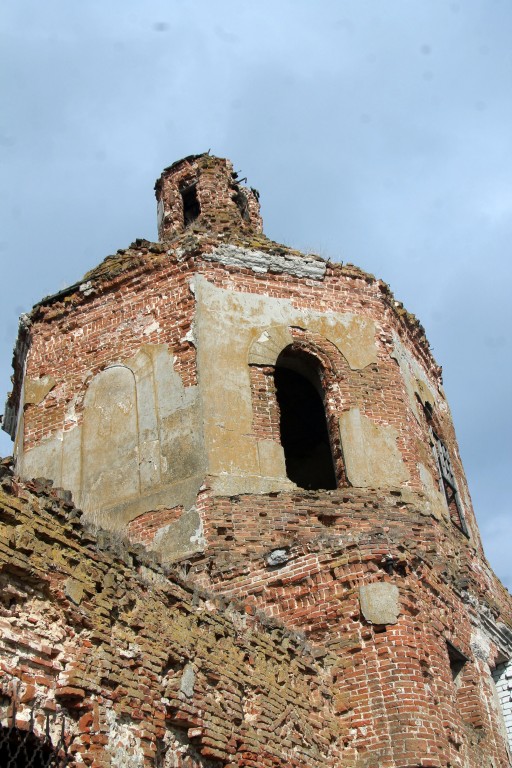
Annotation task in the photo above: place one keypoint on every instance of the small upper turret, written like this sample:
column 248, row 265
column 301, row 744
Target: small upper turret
column 204, row 192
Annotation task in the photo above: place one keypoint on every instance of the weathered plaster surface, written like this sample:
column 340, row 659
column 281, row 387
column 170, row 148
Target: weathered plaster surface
column 352, row 335
column 110, row 452
column 266, row 348
column 421, row 392
column 436, row 500
column 181, row 538
column 35, row 390
column 139, row 444
column 372, row 457
column 44, row 460
column 414, row 378
column 234, row 330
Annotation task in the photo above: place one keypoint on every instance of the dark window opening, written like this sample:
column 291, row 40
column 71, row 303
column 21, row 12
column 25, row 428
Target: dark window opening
column 303, row 424
column 191, row 208
column 457, row 662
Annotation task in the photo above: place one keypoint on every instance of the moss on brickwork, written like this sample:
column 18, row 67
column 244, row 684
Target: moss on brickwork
column 143, row 254
column 95, row 630
column 262, row 665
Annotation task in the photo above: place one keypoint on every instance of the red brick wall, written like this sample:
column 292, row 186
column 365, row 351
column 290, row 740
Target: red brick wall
column 105, row 641
column 142, row 669
column 399, row 700
column 390, row 695
column 71, row 341
column 224, row 203
column 144, row 528
column 83, row 335
column 75, row 337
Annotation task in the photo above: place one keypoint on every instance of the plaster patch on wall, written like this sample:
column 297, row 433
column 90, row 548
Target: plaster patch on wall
column 265, row 349
column 35, row 390
column 436, row 500
column 231, row 485
column 425, row 393
column 152, row 328
column 71, row 461
column 181, row 538
column 352, row 335
column 480, row 644
column 43, row 460
column 74, row 590
column 414, row 378
column 110, row 450
column 70, row 415
column 123, row 745
column 277, row 557
column 188, row 680
column 271, row 458
column 87, row 288
column 372, row 457
column 189, row 336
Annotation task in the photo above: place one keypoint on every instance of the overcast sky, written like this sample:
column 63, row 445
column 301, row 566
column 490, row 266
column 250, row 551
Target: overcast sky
column 378, row 133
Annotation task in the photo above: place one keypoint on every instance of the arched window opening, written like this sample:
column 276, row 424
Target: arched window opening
column 303, row 423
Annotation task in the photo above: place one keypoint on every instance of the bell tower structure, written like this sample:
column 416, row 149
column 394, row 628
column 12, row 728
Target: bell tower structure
column 276, row 423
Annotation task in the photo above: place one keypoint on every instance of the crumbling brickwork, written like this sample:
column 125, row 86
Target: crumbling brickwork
column 286, row 616
column 204, row 192
column 145, row 527
column 144, row 670
column 329, row 548
column 151, row 302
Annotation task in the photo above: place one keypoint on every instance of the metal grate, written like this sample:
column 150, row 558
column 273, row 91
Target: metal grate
column 23, row 749
column 448, row 483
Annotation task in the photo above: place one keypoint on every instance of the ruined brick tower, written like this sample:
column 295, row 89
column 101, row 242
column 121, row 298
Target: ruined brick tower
column 272, row 426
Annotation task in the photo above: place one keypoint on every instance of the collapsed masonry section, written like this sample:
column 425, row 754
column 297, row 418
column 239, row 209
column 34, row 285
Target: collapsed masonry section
column 299, row 653
column 137, row 669
column 205, row 192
